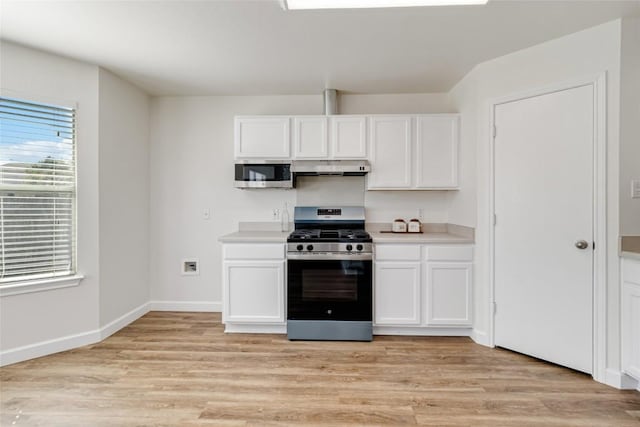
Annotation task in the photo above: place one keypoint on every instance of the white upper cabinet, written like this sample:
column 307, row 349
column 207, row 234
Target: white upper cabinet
column 407, row 152
column 349, row 137
column 390, row 142
column 437, row 151
column 346, row 139
column 262, row 137
column 414, row 152
column 310, row 138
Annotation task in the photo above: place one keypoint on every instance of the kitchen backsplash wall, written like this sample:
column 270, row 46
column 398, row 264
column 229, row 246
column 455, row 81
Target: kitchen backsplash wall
column 191, row 170
column 330, row 190
column 382, row 206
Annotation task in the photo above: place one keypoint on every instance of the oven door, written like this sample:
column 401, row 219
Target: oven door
column 329, row 288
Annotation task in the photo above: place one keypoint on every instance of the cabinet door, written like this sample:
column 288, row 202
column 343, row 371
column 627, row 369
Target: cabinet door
column 631, row 318
column 254, row 291
column 448, row 293
column 262, row 137
column 310, row 139
column 437, row 151
column 397, row 293
column 348, row 137
column 390, row 152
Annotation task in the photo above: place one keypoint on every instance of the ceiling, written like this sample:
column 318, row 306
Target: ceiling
column 243, row 47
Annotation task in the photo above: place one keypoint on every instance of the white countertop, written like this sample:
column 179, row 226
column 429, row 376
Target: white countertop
column 417, row 238
column 630, row 255
column 630, row 247
column 262, row 236
column 255, row 236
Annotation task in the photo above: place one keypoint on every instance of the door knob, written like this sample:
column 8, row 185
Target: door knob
column 582, row 244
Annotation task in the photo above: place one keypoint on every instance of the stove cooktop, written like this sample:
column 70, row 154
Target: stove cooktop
column 320, row 235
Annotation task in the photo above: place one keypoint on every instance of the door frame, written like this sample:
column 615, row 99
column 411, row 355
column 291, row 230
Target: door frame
column 599, row 275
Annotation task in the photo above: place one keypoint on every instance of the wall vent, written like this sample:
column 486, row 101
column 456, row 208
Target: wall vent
column 190, row 267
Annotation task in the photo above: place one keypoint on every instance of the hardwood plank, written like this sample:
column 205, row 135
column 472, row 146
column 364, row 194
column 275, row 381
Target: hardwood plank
column 181, row 369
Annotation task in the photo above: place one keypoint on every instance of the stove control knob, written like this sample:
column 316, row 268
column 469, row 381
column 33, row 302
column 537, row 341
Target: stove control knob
column 309, row 247
column 359, row 247
column 299, row 247
column 349, row 248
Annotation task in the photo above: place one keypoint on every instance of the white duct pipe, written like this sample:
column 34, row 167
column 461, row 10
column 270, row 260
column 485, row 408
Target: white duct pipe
column 330, row 102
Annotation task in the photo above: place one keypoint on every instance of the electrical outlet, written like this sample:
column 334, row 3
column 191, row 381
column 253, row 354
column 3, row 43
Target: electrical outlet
column 635, row 189
column 190, row 267
column 275, row 214
column 420, row 215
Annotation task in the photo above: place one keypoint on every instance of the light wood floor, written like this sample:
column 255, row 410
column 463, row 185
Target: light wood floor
column 180, row 369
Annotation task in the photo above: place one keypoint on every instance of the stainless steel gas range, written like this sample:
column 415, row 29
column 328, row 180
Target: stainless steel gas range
column 329, row 272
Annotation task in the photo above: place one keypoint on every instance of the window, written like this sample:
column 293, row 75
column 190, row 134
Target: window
column 37, row 191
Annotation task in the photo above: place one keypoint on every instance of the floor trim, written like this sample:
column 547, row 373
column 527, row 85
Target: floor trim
column 620, row 380
column 122, row 321
column 481, row 337
column 194, row 306
column 69, row 342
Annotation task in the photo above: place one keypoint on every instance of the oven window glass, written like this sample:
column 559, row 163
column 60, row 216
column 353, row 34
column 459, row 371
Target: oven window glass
column 329, row 286
column 329, row 290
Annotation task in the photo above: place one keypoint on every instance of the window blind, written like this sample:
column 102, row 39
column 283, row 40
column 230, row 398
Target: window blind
column 37, row 190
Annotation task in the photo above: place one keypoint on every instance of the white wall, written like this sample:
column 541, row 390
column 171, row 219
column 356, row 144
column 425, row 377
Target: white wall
column 31, row 318
column 192, row 170
column 112, row 206
column 581, row 54
column 124, row 197
column 629, row 126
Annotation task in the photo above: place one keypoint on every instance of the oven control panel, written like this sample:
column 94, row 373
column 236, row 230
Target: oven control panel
column 327, row 247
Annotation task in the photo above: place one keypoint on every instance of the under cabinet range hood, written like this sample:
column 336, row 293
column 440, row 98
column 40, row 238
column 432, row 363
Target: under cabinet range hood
column 330, row 167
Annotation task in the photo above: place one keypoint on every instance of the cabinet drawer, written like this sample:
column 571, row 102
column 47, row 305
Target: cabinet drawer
column 253, row 251
column 398, row 252
column 449, row 253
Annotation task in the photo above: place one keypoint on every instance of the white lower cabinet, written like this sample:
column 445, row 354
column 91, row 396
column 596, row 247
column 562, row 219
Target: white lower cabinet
column 255, row 291
column 631, row 317
column 423, row 287
column 448, row 296
column 253, row 286
column 397, row 293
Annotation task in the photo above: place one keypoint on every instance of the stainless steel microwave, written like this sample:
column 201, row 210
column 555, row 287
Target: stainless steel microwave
column 263, row 174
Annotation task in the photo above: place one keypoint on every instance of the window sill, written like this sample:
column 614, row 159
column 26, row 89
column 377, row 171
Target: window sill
column 40, row 285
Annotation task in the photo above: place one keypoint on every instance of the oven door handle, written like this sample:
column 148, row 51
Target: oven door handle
column 329, row 256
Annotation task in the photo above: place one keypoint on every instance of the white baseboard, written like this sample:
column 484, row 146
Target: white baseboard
column 69, row 342
column 254, row 328
column 481, row 337
column 45, row 348
column 122, row 321
column 421, row 331
column 620, row 380
column 196, row 306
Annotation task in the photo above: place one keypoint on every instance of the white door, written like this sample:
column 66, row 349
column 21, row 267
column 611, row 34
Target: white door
column 543, row 205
